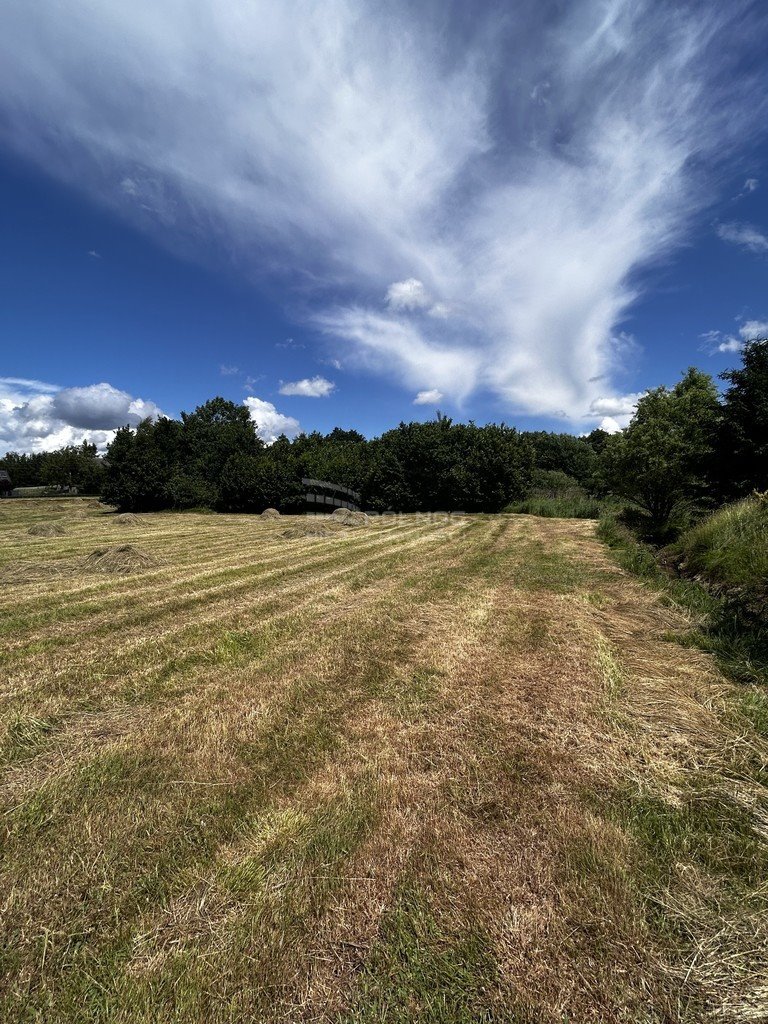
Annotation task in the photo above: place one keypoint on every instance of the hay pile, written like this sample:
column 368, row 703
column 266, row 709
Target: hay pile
column 270, row 513
column 46, row 530
column 123, row 559
column 309, row 529
column 127, row 519
column 349, row 517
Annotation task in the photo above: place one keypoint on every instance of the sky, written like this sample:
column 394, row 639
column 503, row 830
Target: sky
column 353, row 213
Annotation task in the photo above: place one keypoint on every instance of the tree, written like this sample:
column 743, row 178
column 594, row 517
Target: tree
column 210, row 435
column 664, row 459
column 140, row 465
column 743, row 441
column 576, row 456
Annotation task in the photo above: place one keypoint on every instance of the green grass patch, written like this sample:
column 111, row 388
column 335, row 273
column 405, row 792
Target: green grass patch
column 723, row 627
column 558, row 508
column 420, row 973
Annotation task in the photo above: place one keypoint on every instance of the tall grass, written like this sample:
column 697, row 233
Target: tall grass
column 556, row 495
column 730, row 550
column 721, row 579
column 558, row 508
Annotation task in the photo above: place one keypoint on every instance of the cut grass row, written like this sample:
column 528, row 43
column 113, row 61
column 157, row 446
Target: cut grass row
column 453, row 783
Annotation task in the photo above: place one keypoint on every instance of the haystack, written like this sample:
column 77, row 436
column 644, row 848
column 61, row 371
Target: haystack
column 309, row 529
column 123, row 559
column 349, row 517
column 270, row 513
column 47, row 530
column 127, row 519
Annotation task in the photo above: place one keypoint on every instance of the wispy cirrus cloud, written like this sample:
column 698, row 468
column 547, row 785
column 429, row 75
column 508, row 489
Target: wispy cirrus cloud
column 746, row 236
column 340, row 147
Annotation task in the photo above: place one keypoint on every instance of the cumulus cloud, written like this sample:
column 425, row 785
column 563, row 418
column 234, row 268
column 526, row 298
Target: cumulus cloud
column 615, row 410
column 428, row 397
column 717, row 342
column 340, row 147
column 35, row 416
column 308, row 387
column 270, row 423
column 747, row 236
column 611, row 425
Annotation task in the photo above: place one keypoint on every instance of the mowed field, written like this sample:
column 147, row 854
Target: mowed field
column 430, row 769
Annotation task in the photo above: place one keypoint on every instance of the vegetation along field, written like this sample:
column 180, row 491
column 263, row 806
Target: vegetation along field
column 429, row 768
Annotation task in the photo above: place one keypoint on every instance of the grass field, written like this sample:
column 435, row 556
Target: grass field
column 430, row 769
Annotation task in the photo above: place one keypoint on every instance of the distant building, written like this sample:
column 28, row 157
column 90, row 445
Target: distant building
column 323, row 496
column 5, row 484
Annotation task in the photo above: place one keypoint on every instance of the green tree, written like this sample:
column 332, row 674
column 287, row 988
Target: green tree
column 743, row 443
column 664, row 459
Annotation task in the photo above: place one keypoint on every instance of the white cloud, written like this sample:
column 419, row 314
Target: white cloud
column 611, row 425
column 35, row 416
column 270, row 423
column 380, row 339
column 309, row 387
column 440, row 310
column 717, row 342
column 751, row 184
column 408, row 295
column 32, row 385
column 342, row 146
column 617, row 410
column 228, row 371
column 428, row 397
column 745, row 235
column 752, row 329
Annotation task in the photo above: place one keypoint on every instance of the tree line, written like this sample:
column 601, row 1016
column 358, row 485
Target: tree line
column 213, row 458
column 686, row 450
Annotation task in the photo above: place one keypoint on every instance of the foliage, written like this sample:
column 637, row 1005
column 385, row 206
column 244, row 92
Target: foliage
column 663, row 461
column 743, row 440
column 575, row 456
column 729, row 550
column 213, row 458
column 730, row 625
column 558, row 508
column 72, row 466
column 556, row 495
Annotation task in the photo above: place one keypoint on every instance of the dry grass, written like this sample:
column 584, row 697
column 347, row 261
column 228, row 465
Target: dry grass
column 46, row 530
column 127, row 519
column 123, row 559
column 444, row 771
column 350, row 517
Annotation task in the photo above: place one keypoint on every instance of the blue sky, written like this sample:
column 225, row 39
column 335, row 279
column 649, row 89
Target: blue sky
column 351, row 213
